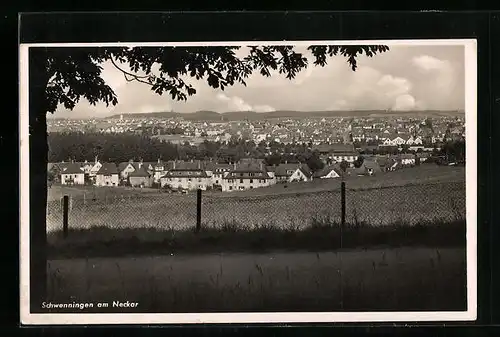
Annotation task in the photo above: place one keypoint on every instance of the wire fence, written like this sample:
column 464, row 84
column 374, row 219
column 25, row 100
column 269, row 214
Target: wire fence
column 410, row 204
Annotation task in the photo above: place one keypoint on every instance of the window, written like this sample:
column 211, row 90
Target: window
column 189, row 179
column 241, row 181
column 179, row 179
column 251, row 181
column 251, row 187
column 216, row 181
column 199, row 180
column 230, row 187
column 241, row 174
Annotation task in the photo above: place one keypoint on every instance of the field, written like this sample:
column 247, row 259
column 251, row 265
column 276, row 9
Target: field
column 364, row 280
column 425, row 193
column 271, row 249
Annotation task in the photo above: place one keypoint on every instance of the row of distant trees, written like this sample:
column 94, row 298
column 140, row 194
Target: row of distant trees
column 117, row 148
column 123, row 147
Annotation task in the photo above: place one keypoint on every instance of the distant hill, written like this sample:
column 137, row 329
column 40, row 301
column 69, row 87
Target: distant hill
column 251, row 115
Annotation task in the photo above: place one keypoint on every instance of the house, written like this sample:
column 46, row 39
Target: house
column 107, row 175
column 71, row 174
column 218, row 172
column 186, row 176
column 302, row 173
column 95, row 168
column 407, row 159
column 245, row 176
column 329, row 172
column 395, row 140
column 158, row 169
column 386, row 163
column 140, row 177
column 271, row 171
column 330, row 153
column 284, row 172
column 369, row 167
column 125, row 168
column 423, row 156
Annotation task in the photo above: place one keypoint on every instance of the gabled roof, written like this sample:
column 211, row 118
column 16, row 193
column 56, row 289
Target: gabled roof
column 327, row 169
column 304, row 168
column 249, row 167
column 70, row 168
column 108, row 168
column 281, row 169
column 123, row 165
column 139, row 172
column 186, row 165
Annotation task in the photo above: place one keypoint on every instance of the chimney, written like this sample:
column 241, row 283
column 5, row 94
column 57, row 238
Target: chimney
column 175, row 160
column 95, row 159
column 158, row 160
column 234, row 165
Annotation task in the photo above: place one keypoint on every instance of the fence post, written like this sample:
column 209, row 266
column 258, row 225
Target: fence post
column 65, row 215
column 198, row 210
column 342, row 201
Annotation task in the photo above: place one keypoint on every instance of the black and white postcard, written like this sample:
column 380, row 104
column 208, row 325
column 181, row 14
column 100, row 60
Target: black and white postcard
column 248, row 182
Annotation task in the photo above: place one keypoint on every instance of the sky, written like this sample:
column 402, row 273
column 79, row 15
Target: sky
column 404, row 78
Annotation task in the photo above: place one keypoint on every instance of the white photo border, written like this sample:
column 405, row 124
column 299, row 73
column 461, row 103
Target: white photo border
column 470, row 64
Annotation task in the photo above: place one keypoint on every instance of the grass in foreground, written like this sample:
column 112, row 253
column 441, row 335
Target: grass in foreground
column 321, row 235
column 400, row 279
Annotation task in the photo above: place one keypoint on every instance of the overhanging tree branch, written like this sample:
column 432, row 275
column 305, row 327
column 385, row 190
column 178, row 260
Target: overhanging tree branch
column 135, row 77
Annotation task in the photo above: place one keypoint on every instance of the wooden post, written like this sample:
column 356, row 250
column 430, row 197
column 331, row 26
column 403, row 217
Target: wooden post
column 65, row 215
column 198, row 210
column 342, row 202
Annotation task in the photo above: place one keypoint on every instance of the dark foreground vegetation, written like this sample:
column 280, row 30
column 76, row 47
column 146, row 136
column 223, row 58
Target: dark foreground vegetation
column 233, row 237
column 395, row 279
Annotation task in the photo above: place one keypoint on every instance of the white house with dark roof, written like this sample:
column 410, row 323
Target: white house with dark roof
column 186, row 176
column 293, row 172
column 336, row 153
column 247, row 175
column 107, row 175
column 329, row 172
column 140, row 177
column 71, row 174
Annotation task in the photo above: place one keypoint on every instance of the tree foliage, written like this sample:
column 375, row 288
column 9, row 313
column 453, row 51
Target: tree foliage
column 75, row 73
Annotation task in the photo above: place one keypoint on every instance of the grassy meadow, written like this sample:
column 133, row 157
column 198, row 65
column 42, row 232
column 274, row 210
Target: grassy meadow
column 412, row 279
column 432, row 193
column 280, row 248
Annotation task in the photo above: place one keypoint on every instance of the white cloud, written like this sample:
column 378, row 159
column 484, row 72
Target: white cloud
column 427, row 63
column 404, row 103
column 442, row 72
column 375, row 90
column 235, row 103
